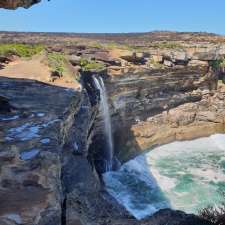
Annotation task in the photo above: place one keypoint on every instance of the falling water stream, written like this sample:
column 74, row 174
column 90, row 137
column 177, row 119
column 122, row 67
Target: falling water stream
column 186, row 176
column 104, row 110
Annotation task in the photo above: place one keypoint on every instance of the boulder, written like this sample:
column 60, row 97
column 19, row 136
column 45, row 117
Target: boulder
column 74, row 60
column 168, row 63
column 133, row 57
column 127, row 55
column 178, row 56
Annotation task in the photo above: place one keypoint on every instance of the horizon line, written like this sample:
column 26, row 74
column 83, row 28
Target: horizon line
column 104, row 33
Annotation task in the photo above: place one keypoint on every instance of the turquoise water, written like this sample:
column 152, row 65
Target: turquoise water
column 186, row 176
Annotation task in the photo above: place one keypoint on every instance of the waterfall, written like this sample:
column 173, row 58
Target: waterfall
column 104, row 110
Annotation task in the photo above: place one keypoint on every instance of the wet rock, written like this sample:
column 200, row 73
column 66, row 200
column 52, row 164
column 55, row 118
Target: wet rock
column 5, row 106
column 28, row 155
column 30, row 168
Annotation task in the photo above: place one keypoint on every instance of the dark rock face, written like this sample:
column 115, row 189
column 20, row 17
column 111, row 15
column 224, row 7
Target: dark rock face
column 5, row 106
column 13, row 4
column 31, row 142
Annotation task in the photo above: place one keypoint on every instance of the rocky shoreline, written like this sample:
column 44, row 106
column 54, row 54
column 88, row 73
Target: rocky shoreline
column 50, row 136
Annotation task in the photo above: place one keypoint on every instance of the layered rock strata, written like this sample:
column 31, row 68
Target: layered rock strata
column 185, row 122
column 139, row 96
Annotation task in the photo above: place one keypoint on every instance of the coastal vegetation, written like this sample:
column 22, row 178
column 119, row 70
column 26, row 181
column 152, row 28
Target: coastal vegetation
column 217, row 64
column 57, row 62
column 166, row 45
column 21, row 50
column 87, row 65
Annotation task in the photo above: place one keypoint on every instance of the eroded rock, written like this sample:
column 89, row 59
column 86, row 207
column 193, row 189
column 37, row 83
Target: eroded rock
column 13, row 4
column 30, row 169
column 186, row 122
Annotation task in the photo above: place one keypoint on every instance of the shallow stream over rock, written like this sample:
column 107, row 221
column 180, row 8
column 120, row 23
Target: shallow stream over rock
column 187, row 176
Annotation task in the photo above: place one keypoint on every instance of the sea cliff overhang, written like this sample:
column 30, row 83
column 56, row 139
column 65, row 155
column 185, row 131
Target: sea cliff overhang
column 14, row 4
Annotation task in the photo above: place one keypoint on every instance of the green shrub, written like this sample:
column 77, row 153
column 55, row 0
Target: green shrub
column 87, row 65
column 22, row 50
column 217, row 64
column 166, row 45
column 96, row 45
column 155, row 64
column 111, row 45
column 57, row 62
column 114, row 45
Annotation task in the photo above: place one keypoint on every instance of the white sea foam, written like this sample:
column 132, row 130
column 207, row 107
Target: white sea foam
column 186, row 176
column 219, row 140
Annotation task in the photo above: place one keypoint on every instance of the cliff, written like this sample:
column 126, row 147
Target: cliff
column 46, row 176
column 51, row 137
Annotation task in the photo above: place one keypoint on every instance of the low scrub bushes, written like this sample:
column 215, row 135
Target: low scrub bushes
column 21, row 50
column 57, row 62
column 87, row 65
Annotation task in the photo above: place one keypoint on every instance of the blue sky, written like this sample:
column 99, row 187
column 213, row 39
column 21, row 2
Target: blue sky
column 117, row 16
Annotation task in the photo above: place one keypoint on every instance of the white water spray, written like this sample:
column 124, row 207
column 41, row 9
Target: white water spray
column 186, row 176
column 104, row 110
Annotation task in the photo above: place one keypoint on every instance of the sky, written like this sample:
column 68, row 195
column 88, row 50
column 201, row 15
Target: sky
column 117, row 16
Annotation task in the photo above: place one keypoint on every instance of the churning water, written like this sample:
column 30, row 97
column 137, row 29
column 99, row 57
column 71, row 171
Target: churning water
column 104, row 110
column 186, row 176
